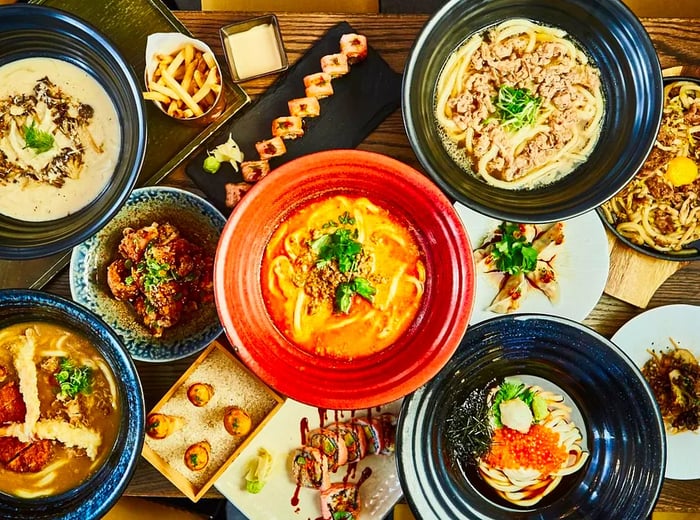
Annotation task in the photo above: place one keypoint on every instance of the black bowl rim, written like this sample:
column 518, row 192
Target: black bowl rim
column 641, row 248
column 86, row 501
column 416, row 432
column 643, row 41
column 30, row 250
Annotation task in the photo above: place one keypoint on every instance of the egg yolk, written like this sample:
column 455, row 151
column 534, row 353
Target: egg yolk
column 681, row 171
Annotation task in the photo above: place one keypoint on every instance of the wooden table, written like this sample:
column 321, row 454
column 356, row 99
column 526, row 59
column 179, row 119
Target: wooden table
column 392, row 35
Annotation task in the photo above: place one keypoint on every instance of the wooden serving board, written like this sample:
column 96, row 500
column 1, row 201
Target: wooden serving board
column 635, row 277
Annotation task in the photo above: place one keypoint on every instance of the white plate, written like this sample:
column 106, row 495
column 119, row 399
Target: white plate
column 582, row 265
column 652, row 330
column 280, row 436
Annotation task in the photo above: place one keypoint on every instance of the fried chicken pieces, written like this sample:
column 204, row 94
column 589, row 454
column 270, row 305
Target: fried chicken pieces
column 162, row 274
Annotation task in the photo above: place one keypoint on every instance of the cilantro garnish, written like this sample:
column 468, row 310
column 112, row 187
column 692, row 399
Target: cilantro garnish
column 36, row 139
column 346, row 290
column 342, row 247
column 513, row 253
column 73, row 380
column 517, row 107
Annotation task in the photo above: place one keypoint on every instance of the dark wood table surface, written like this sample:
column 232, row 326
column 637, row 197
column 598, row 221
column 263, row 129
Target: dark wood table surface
column 677, row 42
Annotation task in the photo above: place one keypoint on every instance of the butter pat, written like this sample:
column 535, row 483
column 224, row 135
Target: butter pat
column 254, row 48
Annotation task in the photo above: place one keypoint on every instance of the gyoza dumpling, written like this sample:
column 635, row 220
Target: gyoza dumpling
column 509, row 297
column 545, row 279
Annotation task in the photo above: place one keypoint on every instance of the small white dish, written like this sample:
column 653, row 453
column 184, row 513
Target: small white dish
column 652, row 330
column 582, row 266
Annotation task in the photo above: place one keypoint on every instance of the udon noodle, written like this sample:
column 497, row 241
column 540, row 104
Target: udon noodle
column 659, row 208
column 525, row 467
column 60, row 411
column 519, row 105
column 342, row 277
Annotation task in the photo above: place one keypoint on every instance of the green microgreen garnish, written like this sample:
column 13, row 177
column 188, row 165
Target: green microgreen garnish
column 73, row 380
column 517, row 107
column 513, row 253
column 36, row 139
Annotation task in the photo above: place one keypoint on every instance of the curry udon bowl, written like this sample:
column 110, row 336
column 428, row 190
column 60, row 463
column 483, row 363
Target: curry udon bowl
column 74, row 468
column 337, row 358
column 612, row 39
column 621, row 475
column 72, row 46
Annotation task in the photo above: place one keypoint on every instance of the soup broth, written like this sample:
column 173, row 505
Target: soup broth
column 60, row 409
column 343, row 278
column 59, row 139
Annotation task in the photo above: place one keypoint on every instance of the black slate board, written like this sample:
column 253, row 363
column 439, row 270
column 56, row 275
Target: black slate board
column 362, row 99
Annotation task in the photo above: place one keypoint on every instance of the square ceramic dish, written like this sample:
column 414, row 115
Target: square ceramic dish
column 233, row 385
column 254, row 48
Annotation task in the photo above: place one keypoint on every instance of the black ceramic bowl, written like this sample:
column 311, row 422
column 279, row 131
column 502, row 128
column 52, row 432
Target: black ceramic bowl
column 631, row 79
column 689, row 253
column 96, row 495
column 620, row 422
column 36, row 31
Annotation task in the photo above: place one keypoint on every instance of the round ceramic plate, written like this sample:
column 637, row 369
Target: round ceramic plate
column 623, row 475
column 198, row 221
column 582, row 266
column 651, row 330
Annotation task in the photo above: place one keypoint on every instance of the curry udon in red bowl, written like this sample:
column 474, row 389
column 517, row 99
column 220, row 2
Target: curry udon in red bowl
column 344, row 279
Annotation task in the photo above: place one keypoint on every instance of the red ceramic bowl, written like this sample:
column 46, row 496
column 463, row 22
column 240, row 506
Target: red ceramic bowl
column 372, row 380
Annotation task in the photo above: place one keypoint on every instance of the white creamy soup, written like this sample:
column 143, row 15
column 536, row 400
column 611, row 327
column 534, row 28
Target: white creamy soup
column 59, row 139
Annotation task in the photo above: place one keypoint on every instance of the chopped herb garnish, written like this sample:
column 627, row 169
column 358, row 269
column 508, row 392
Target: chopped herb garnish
column 517, row 107
column 73, row 380
column 513, row 253
column 154, row 272
column 345, row 218
column 38, row 140
column 346, row 290
column 341, row 246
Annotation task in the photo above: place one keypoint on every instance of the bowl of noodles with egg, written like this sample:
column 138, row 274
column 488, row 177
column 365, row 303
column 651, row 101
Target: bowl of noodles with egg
column 72, row 131
column 72, row 416
column 532, row 111
column 657, row 213
column 532, row 418
column 344, row 279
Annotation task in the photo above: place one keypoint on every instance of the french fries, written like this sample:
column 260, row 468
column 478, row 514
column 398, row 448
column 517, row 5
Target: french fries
column 186, row 83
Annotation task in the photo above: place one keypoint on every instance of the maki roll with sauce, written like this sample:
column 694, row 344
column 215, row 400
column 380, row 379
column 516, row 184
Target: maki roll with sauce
column 310, row 468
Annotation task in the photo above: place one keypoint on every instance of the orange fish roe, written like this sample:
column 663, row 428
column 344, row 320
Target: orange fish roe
column 539, row 449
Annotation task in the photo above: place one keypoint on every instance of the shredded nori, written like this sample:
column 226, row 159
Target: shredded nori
column 469, row 432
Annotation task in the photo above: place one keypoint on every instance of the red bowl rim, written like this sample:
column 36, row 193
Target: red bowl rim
column 364, row 382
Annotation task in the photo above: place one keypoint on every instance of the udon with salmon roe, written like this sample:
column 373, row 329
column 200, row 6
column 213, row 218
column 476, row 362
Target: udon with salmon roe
column 521, row 438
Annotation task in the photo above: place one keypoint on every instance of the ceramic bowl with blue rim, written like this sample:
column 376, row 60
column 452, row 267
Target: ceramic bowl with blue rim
column 95, row 495
column 199, row 222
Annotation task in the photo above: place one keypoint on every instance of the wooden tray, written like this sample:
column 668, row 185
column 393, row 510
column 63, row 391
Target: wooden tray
column 127, row 24
column 624, row 260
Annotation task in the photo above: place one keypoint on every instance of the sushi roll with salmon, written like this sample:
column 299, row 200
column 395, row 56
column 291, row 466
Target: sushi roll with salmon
column 310, row 468
column 354, row 439
column 330, row 444
column 387, row 427
column 341, row 501
column 369, row 429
